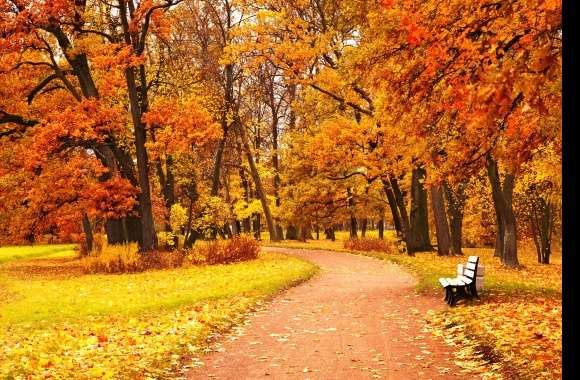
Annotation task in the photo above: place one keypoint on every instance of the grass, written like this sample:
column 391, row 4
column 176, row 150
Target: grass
column 36, row 251
column 57, row 322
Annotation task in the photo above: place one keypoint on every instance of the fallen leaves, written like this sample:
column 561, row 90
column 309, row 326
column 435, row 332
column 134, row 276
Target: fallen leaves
column 506, row 334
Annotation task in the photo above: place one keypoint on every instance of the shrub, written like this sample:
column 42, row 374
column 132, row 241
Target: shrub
column 368, row 245
column 239, row 248
column 125, row 258
column 118, row 258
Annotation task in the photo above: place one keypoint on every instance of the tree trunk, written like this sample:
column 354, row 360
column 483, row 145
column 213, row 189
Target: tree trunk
column 276, row 164
column 441, row 225
column 363, row 227
column 305, row 233
column 502, row 198
column 149, row 239
column 394, row 209
column 353, row 228
column 257, row 182
column 353, row 225
column 405, row 224
column 257, row 227
column 381, row 227
column 329, row 232
column 292, row 233
column 419, row 217
column 541, row 222
column 218, row 163
column 88, row 230
column 455, row 206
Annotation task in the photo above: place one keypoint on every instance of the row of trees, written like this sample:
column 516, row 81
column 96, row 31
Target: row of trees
column 206, row 117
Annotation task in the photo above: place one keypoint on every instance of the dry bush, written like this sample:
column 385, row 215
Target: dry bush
column 239, row 248
column 370, row 244
column 125, row 258
column 118, row 258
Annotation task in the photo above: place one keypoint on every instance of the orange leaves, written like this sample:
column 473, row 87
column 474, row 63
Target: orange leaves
column 180, row 126
column 415, row 33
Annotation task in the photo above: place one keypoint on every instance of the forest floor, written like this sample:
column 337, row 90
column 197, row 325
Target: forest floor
column 359, row 318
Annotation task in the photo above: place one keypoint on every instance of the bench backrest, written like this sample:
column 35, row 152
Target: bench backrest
column 471, row 267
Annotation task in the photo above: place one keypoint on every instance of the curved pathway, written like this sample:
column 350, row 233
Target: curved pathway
column 360, row 318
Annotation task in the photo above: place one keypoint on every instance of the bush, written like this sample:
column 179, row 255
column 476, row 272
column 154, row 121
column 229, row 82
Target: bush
column 368, row 245
column 119, row 258
column 125, row 258
column 239, row 248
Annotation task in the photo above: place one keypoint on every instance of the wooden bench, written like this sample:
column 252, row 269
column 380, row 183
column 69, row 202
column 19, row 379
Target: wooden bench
column 462, row 286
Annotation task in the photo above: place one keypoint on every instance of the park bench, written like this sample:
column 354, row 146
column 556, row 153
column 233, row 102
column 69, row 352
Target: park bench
column 462, row 286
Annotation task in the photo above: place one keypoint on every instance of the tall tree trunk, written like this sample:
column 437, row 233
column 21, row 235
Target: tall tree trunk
column 329, row 233
column 455, row 206
column 215, row 178
column 149, row 239
column 381, row 228
column 257, row 227
column 257, row 181
column 363, row 227
column 353, row 225
column 441, row 225
column 419, row 215
column 541, row 221
column 502, row 198
column 276, row 164
column 405, row 224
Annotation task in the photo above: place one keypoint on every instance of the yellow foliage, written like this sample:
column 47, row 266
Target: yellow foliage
column 113, row 258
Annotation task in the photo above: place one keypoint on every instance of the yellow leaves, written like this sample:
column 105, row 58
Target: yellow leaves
column 243, row 209
column 177, row 217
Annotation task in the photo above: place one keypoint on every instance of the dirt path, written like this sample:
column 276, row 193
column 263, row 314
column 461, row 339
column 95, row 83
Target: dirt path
column 358, row 319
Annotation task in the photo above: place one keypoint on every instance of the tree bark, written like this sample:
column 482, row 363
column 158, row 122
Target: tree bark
column 541, row 221
column 441, row 225
column 363, row 227
column 257, row 181
column 405, row 224
column 381, row 228
column 329, row 233
column 419, row 217
column 455, row 206
column 149, row 239
column 502, row 198
column 394, row 209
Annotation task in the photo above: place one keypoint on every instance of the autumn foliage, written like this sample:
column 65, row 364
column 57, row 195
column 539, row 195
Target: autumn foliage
column 368, row 244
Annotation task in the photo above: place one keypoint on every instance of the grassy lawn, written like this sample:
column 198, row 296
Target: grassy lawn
column 56, row 321
column 36, row 251
column 514, row 331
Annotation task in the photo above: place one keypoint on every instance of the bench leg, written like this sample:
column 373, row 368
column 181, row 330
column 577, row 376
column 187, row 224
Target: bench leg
column 446, row 294
column 474, row 290
column 453, row 299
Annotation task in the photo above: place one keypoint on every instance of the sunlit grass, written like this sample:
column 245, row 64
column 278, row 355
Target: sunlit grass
column 56, row 321
column 36, row 251
column 49, row 300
